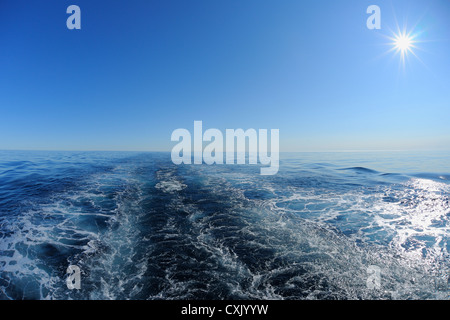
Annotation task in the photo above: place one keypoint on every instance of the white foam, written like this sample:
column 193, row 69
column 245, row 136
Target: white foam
column 170, row 186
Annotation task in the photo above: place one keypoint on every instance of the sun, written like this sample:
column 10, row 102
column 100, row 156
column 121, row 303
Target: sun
column 404, row 43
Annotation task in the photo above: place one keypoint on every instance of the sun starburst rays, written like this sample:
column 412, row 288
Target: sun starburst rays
column 405, row 41
column 404, row 44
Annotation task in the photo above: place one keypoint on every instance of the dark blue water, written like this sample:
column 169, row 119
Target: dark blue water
column 140, row 227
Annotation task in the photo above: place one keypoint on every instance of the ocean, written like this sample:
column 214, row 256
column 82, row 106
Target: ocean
column 140, row 227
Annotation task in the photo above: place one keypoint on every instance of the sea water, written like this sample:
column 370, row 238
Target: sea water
column 140, row 227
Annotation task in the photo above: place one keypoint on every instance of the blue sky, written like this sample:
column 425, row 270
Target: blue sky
column 137, row 70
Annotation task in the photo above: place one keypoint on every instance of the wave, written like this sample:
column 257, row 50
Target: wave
column 360, row 170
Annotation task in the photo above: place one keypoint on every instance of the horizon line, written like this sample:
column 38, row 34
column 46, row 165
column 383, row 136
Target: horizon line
column 296, row 151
